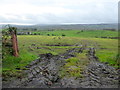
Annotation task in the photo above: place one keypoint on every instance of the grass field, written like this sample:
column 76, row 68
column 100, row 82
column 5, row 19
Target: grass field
column 30, row 46
column 79, row 33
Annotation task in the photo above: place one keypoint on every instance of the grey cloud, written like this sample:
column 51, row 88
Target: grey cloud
column 92, row 12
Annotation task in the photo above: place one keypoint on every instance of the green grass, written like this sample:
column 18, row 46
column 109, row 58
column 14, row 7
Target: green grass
column 108, row 56
column 105, row 48
column 74, row 66
column 79, row 33
column 25, row 42
column 30, row 46
column 13, row 66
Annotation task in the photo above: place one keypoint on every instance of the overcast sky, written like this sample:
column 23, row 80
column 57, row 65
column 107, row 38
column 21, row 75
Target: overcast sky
column 58, row 11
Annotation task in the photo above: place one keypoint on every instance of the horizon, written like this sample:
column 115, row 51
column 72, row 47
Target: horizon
column 55, row 24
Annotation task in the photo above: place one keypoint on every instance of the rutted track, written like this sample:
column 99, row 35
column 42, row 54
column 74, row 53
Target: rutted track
column 99, row 75
column 44, row 73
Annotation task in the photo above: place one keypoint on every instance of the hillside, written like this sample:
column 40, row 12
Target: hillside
column 68, row 27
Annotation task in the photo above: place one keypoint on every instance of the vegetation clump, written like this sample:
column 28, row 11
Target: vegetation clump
column 74, row 66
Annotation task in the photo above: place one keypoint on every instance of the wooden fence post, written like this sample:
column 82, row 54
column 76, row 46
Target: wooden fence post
column 14, row 43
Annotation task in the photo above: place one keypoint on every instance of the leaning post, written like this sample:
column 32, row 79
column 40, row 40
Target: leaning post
column 14, row 41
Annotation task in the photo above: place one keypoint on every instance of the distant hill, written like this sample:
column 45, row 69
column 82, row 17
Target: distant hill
column 68, row 27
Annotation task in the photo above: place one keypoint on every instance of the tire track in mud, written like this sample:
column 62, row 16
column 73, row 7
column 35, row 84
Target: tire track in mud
column 44, row 73
column 99, row 75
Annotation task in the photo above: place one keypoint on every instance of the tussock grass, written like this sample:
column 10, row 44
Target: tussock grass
column 74, row 66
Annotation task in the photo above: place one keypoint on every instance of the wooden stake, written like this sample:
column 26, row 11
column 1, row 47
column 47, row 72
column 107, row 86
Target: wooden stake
column 14, row 43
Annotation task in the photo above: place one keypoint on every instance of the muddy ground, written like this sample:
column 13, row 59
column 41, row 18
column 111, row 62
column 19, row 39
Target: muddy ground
column 44, row 73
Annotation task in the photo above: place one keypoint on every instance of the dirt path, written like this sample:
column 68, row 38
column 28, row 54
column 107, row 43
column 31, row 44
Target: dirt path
column 44, row 73
column 99, row 75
